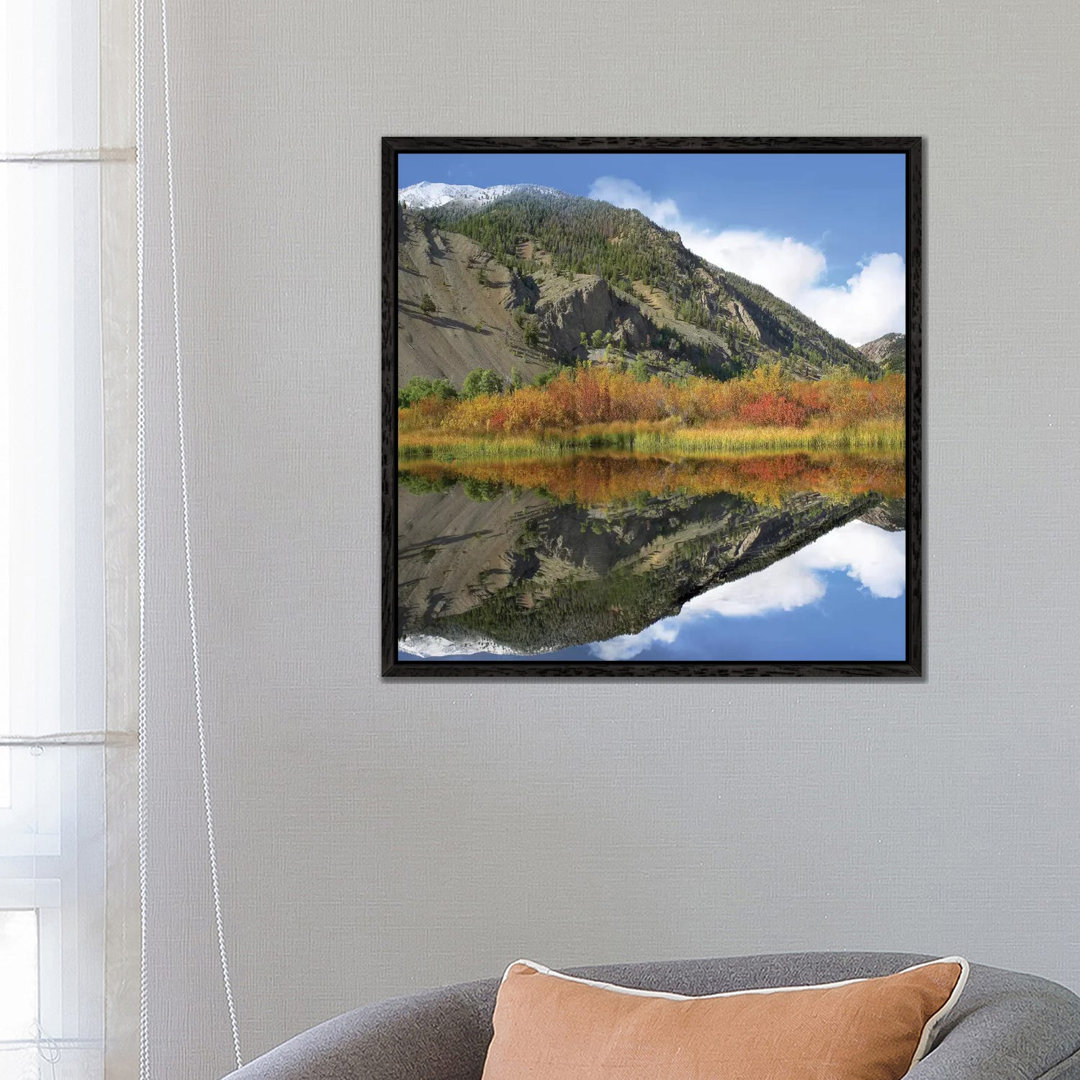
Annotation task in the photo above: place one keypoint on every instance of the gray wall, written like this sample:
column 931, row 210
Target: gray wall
column 378, row 837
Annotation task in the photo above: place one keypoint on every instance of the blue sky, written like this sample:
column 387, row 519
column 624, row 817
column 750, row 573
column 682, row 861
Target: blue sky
column 824, row 231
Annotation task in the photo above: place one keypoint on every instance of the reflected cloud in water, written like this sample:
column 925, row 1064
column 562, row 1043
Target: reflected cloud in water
column 872, row 558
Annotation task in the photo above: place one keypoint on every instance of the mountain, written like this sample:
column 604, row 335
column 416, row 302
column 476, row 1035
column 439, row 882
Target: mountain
column 427, row 194
column 510, row 278
column 888, row 352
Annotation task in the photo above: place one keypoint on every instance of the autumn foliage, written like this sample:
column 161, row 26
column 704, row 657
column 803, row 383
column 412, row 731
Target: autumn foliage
column 601, row 397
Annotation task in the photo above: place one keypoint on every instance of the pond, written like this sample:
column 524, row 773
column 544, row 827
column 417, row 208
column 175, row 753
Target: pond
column 614, row 557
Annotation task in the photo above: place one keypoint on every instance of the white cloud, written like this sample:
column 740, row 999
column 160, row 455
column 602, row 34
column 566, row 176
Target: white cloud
column 874, row 557
column 784, row 266
column 869, row 555
column 870, row 303
column 784, row 586
column 627, row 646
column 631, row 196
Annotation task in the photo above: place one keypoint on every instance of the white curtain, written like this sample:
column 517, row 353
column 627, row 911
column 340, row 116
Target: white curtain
column 56, row 205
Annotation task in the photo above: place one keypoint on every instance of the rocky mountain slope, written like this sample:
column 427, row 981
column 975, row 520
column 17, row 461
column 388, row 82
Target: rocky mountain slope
column 512, row 278
column 888, row 352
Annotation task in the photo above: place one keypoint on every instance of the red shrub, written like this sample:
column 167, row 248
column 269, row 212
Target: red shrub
column 773, row 410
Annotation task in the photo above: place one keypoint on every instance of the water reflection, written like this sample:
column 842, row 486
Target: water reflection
column 617, row 556
column 603, row 479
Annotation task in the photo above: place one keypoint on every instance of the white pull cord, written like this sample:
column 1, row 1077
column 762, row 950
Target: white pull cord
column 140, row 199
column 197, row 680
column 140, row 455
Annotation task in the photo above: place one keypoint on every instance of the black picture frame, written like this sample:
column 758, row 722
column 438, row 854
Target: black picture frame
column 912, row 666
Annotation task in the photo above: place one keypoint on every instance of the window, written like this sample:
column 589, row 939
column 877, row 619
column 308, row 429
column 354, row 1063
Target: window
column 52, row 621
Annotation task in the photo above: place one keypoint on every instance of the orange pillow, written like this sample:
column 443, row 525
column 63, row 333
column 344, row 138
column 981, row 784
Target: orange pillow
column 550, row 1026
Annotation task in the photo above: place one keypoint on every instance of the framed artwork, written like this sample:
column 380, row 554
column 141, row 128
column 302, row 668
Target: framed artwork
column 651, row 407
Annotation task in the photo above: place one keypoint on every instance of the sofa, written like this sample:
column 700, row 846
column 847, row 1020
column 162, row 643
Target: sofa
column 1006, row 1026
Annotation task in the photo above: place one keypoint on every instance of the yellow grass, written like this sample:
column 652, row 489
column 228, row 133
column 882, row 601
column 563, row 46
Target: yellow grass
column 654, row 437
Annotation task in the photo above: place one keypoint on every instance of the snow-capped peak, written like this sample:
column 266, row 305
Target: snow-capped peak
column 427, row 193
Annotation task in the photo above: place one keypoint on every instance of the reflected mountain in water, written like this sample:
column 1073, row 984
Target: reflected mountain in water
column 527, row 557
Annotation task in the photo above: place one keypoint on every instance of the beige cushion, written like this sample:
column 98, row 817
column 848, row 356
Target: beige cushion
column 550, row 1026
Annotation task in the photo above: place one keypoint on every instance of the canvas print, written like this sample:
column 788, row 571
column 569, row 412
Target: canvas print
column 651, row 410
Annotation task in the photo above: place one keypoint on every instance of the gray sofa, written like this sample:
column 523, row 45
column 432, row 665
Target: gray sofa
column 1005, row 1026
